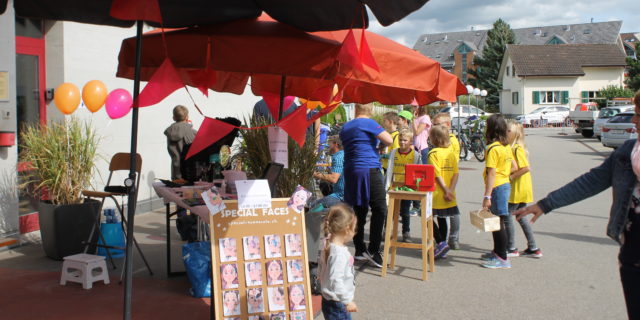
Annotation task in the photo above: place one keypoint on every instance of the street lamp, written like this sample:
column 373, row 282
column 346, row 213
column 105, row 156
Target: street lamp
column 483, row 94
column 476, row 93
column 469, row 92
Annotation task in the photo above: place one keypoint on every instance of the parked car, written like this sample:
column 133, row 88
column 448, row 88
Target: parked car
column 548, row 114
column 606, row 114
column 618, row 130
column 584, row 116
column 465, row 111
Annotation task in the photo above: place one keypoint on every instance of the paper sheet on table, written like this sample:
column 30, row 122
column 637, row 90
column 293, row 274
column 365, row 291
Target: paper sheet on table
column 213, row 201
column 278, row 139
column 253, row 194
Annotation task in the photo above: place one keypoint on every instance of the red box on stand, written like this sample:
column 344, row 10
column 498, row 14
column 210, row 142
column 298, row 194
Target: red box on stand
column 424, row 172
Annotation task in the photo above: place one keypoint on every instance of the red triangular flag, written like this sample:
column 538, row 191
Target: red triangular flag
column 323, row 94
column 349, row 51
column 295, row 124
column 366, row 56
column 211, row 130
column 273, row 102
column 147, row 10
column 203, row 79
column 163, row 82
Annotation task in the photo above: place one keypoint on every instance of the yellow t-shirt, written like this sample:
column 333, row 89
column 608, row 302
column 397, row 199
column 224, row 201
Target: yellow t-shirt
column 445, row 165
column 455, row 146
column 498, row 157
column 399, row 161
column 521, row 187
column 394, row 145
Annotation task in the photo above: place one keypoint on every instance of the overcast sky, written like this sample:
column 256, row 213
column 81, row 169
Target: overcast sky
column 460, row 15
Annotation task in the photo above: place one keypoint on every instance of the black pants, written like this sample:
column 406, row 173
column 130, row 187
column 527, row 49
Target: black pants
column 378, row 204
column 440, row 230
column 500, row 239
column 629, row 258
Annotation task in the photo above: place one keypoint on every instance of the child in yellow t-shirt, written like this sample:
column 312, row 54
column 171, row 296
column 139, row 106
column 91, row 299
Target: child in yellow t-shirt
column 390, row 124
column 521, row 193
column 445, row 165
column 499, row 165
column 444, row 119
column 398, row 158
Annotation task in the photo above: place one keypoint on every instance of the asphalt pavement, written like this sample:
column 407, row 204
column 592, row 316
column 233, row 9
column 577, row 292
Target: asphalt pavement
column 577, row 278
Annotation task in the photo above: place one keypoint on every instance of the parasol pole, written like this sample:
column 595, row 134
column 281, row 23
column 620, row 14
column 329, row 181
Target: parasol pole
column 283, row 80
column 130, row 181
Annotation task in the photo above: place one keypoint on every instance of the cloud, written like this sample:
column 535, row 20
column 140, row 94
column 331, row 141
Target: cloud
column 460, row 15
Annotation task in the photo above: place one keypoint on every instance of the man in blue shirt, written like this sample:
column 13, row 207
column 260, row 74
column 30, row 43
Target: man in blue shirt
column 335, row 177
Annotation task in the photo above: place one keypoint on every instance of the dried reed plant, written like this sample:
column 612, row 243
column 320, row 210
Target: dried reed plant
column 254, row 152
column 62, row 157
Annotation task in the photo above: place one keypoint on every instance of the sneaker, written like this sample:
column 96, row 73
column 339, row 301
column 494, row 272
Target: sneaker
column 441, row 249
column 414, row 212
column 536, row 253
column 512, row 253
column 454, row 244
column 406, row 237
column 359, row 256
column 487, row 256
column 497, row 263
column 374, row 259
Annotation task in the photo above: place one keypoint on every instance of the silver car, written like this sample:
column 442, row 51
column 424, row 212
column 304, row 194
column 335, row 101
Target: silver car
column 618, row 130
column 606, row 114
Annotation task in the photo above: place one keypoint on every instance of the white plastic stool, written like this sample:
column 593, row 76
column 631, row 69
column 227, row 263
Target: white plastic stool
column 79, row 268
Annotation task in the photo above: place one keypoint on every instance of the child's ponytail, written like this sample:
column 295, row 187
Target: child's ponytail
column 339, row 219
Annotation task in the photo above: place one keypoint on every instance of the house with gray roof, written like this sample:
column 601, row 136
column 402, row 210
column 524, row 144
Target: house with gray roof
column 630, row 40
column 455, row 50
column 533, row 76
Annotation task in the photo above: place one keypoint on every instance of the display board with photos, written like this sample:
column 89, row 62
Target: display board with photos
column 261, row 262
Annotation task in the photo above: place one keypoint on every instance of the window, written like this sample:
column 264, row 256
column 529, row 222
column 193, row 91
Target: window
column 514, row 98
column 588, row 96
column 549, row 97
column 508, row 71
column 513, row 70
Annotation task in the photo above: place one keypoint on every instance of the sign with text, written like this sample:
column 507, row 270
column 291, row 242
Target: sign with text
column 253, row 194
column 259, row 263
column 278, row 146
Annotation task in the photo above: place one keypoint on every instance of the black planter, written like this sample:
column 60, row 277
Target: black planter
column 65, row 227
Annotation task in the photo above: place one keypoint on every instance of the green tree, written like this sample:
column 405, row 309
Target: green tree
column 488, row 65
column 611, row 91
column 633, row 66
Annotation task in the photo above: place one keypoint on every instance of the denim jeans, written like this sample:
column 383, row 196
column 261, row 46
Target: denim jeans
column 500, row 199
column 405, row 205
column 334, row 310
column 526, row 228
column 378, row 203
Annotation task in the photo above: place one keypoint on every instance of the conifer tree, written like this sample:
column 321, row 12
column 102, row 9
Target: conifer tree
column 488, row 64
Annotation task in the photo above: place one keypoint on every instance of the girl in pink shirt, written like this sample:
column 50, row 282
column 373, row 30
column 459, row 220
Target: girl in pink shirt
column 421, row 126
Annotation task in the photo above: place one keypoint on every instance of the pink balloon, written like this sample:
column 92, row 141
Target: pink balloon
column 118, row 103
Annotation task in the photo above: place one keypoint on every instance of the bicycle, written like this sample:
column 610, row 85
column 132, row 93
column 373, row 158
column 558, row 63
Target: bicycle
column 472, row 139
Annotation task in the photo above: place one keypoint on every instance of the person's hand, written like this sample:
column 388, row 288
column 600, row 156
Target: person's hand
column 351, row 307
column 448, row 196
column 486, row 203
column 532, row 209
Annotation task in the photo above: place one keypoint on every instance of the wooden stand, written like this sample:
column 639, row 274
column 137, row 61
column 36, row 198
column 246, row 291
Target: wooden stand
column 427, row 244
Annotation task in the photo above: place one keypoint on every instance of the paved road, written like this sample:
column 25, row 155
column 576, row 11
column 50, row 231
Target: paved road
column 576, row 279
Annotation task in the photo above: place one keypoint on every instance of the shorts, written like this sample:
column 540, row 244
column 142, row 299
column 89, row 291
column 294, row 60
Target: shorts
column 500, row 199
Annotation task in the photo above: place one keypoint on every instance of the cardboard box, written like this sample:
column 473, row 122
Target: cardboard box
column 485, row 220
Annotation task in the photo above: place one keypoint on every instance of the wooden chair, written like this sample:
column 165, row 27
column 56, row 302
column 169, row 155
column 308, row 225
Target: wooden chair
column 391, row 242
column 119, row 162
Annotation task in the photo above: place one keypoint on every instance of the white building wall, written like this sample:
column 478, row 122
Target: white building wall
column 91, row 53
column 511, row 84
column 531, row 84
column 598, row 78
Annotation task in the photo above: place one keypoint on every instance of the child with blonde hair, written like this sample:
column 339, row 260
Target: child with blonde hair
column 521, row 193
column 398, row 159
column 337, row 281
column 445, row 164
column 390, row 123
column 444, row 119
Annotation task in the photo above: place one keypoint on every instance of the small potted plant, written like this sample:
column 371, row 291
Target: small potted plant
column 61, row 157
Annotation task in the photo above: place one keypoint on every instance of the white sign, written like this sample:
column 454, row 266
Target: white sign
column 253, row 194
column 278, row 145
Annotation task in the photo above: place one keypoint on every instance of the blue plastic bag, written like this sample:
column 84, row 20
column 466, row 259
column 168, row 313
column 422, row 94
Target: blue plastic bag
column 197, row 262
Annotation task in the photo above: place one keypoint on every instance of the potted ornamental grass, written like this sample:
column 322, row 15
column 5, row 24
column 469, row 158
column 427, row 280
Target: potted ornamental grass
column 61, row 157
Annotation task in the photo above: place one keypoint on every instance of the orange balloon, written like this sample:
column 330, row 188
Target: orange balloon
column 67, row 97
column 94, row 94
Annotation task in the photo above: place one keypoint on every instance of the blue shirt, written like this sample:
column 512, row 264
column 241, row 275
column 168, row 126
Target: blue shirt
column 359, row 138
column 337, row 166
